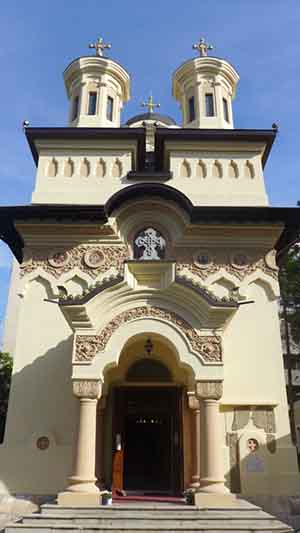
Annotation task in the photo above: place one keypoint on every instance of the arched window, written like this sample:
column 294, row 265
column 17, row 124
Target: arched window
column 149, row 244
column 148, row 370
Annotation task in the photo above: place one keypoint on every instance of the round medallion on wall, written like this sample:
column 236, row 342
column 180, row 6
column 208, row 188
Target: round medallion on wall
column 270, row 260
column 252, row 445
column 43, row 443
column 93, row 258
column 58, row 259
column 239, row 260
column 203, row 259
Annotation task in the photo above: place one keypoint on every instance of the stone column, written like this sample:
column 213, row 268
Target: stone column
column 194, row 405
column 212, row 466
column 82, row 488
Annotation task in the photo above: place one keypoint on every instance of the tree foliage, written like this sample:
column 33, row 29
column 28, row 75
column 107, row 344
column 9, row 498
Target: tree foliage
column 290, row 291
column 6, row 364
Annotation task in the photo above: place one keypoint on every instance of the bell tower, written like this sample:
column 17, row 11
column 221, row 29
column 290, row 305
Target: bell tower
column 97, row 88
column 205, row 87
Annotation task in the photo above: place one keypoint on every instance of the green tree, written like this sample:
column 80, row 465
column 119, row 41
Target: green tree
column 6, row 364
column 290, row 290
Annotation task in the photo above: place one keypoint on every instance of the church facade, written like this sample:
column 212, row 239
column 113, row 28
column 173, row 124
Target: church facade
column 143, row 309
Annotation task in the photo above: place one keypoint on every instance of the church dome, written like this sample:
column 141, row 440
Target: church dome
column 151, row 118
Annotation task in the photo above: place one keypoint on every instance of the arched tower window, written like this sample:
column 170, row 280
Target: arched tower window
column 148, row 370
column 149, row 244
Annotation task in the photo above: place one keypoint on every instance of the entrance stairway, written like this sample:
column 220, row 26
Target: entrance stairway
column 152, row 518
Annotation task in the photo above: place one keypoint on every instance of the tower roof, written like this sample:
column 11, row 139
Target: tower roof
column 154, row 117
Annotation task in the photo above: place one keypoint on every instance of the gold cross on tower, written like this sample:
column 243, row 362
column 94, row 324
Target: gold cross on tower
column 150, row 104
column 202, row 47
column 99, row 46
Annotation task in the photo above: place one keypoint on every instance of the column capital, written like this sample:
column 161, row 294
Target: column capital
column 87, row 388
column 209, row 390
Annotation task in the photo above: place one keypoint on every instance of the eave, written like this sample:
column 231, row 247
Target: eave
column 162, row 135
column 34, row 135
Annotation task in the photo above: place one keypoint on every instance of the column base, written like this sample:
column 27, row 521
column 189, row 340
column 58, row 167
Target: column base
column 212, row 486
column 79, row 499
column 212, row 501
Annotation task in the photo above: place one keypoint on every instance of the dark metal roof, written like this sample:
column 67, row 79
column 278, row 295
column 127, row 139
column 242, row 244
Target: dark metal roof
column 217, row 135
column 169, row 121
column 10, row 216
column 57, row 134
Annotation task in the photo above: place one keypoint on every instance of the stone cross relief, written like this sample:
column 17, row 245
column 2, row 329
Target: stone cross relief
column 152, row 242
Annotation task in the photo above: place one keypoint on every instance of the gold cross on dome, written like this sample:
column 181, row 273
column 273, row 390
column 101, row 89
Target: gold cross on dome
column 150, row 104
column 99, row 46
column 202, row 47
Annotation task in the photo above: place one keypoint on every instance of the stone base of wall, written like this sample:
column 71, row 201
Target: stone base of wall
column 285, row 508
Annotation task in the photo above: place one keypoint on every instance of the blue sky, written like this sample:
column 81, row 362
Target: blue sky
column 261, row 38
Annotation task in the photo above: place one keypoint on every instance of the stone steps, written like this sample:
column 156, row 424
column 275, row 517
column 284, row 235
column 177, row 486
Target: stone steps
column 119, row 518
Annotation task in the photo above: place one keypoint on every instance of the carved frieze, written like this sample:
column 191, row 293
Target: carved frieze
column 208, row 347
column 239, row 263
column 209, row 390
column 93, row 260
column 87, row 388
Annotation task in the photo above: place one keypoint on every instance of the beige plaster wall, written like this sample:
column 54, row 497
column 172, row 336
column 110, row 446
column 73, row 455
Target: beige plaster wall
column 41, row 399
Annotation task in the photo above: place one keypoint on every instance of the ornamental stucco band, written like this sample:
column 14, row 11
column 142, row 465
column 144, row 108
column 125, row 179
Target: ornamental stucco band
column 92, row 260
column 208, row 347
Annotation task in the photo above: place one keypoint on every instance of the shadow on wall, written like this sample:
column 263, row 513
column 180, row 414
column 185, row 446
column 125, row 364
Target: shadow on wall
column 36, row 455
column 264, row 470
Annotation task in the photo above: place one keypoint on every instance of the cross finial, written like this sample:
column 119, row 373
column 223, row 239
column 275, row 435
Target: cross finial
column 99, row 46
column 150, row 104
column 202, row 47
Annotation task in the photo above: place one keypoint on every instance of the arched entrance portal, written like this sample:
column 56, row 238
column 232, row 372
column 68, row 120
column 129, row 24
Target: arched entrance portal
column 146, row 398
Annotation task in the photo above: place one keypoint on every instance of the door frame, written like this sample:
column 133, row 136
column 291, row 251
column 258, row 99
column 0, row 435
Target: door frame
column 118, row 423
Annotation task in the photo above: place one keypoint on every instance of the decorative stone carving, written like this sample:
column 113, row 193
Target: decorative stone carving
column 203, row 259
column 86, row 347
column 235, row 474
column 238, row 263
column 58, row 259
column 239, row 260
column 208, row 347
column 193, row 402
column 87, row 388
column 264, row 418
column 209, row 390
column 149, row 244
column 92, row 260
column 240, row 418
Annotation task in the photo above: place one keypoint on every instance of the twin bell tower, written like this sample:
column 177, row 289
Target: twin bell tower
column 98, row 87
